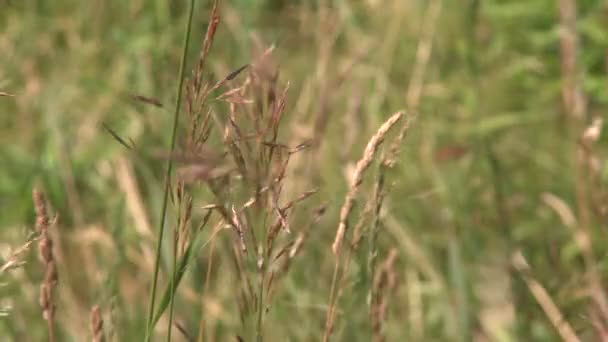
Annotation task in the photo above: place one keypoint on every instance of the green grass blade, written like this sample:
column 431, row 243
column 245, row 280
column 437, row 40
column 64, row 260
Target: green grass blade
column 178, row 103
column 169, row 293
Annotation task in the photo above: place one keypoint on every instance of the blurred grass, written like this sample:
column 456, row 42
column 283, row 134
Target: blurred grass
column 490, row 103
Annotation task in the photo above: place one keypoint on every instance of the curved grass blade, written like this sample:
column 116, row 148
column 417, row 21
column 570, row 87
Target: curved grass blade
column 188, row 256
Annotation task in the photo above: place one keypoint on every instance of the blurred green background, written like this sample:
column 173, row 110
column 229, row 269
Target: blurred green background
column 489, row 166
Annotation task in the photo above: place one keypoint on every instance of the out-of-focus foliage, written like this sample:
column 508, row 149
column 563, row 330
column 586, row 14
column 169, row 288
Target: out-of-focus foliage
column 490, row 145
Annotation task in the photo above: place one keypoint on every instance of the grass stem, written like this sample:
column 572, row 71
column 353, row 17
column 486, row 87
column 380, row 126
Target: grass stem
column 178, row 103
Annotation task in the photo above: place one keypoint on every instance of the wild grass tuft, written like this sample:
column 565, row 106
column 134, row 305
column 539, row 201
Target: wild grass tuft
column 241, row 131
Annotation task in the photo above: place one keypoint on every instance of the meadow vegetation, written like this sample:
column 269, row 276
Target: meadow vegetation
column 273, row 170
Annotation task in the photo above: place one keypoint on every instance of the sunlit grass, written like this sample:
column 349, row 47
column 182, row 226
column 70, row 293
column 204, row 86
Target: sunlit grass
column 494, row 190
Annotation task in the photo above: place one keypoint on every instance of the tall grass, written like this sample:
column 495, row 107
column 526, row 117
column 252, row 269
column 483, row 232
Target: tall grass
column 289, row 204
column 163, row 213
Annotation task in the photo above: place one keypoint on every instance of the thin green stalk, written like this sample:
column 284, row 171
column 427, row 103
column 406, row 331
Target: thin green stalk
column 178, row 104
column 174, row 273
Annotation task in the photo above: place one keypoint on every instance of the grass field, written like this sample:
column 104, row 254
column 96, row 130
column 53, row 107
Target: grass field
column 338, row 170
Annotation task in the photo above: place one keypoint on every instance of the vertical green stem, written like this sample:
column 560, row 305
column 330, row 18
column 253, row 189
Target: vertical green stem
column 178, row 103
column 174, row 273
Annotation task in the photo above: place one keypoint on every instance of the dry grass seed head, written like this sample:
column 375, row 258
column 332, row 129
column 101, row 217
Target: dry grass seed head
column 208, row 42
column 45, row 246
column 14, row 259
column 362, row 165
column 96, row 324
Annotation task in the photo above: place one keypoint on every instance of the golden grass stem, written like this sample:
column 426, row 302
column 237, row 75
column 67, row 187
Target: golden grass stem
column 331, row 307
column 45, row 246
column 574, row 102
column 585, row 206
column 543, row 298
column 96, row 324
column 349, row 202
column 362, row 166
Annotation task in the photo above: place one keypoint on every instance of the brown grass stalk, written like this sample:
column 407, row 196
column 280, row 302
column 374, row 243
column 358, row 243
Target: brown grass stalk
column 45, row 246
column 362, row 166
column 385, row 281
column 349, row 202
column 96, row 324
column 574, row 102
column 586, row 172
column 543, row 298
column 575, row 107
